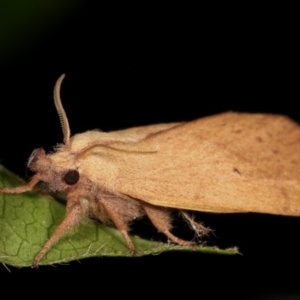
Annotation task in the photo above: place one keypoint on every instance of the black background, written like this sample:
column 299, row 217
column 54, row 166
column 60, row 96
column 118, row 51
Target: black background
column 128, row 66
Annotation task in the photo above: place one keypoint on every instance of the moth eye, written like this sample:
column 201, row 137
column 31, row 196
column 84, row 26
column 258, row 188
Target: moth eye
column 71, row 177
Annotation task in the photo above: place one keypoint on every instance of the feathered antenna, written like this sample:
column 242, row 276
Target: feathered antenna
column 61, row 112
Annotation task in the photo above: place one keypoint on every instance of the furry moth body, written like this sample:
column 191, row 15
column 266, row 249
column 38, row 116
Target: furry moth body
column 231, row 162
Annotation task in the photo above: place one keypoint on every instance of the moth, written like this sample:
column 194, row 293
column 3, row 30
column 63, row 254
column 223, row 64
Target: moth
column 226, row 163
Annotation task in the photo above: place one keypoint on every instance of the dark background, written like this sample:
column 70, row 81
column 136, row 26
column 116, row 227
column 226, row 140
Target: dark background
column 128, row 66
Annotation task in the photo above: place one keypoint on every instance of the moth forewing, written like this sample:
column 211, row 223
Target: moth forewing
column 232, row 162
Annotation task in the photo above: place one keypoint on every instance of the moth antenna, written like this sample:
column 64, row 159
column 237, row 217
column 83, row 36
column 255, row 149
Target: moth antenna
column 61, row 112
column 97, row 145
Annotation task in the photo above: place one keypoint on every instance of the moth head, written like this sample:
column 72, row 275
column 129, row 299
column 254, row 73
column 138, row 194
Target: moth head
column 57, row 169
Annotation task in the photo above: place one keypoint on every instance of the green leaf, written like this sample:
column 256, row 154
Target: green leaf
column 27, row 221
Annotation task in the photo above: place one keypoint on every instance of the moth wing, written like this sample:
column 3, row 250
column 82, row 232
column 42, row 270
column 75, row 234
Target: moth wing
column 232, row 162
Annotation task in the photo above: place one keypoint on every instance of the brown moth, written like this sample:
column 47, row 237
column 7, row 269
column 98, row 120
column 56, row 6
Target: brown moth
column 227, row 163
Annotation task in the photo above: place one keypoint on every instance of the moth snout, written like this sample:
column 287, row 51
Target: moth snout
column 35, row 156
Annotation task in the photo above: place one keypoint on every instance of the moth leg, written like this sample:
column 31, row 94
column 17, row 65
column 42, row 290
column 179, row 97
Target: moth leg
column 161, row 219
column 121, row 225
column 198, row 228
column 71, row 220
column 21, row 189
